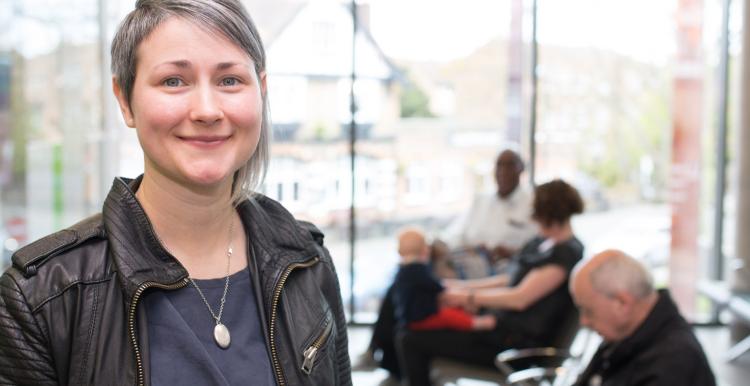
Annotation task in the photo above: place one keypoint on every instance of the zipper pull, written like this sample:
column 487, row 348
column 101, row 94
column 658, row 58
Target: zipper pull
column 309, row 355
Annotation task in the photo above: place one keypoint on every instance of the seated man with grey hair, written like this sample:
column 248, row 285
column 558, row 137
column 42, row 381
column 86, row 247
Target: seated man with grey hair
column 646, row 340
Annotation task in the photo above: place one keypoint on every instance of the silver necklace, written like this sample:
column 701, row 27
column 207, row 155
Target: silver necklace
column 221, row 332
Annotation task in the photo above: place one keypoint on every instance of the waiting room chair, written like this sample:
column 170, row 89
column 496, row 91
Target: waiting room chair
column 553, row 366
column 511, row 363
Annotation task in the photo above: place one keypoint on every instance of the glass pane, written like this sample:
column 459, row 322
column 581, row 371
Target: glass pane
column 604, row 116
column 610, row 100
column 309, row 50
column 50, row 98
column 434, row 111
column 730, row 198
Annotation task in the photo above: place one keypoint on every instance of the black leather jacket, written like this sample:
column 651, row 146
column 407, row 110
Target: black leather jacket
column 70, row 311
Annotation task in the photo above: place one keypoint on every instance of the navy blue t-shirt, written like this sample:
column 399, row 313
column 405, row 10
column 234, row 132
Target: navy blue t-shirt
column 182, row 350
column 415, row 293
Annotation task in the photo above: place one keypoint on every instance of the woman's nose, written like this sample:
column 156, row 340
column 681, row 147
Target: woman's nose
column 205, row 107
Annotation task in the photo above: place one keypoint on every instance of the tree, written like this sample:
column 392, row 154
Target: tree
column 415, row 103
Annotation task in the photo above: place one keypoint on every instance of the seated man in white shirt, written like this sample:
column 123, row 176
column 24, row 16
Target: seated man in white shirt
column 496, row 225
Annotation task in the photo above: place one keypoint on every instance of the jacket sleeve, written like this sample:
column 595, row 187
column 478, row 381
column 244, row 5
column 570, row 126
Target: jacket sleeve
column 24, row 355
column 333, row 293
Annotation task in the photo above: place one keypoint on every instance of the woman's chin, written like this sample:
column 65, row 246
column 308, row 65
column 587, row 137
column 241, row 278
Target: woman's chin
column 209, row 178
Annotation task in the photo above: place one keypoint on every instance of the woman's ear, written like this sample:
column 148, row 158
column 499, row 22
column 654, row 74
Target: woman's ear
column 262, row 82
column 127, row 114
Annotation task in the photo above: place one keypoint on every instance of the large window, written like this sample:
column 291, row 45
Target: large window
column 392, row 119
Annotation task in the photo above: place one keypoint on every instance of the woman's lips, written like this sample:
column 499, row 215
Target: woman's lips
column 205, row 141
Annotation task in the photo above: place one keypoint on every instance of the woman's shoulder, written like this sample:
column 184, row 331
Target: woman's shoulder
column 569, row 251
column 532, row 245
column 572, row 245
column 58, row 247
column 74, row 254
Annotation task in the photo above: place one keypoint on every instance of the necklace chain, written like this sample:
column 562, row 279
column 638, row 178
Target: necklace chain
column 216, row 317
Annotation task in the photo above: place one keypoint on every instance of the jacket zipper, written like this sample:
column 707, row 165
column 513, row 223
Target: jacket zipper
column 312, row 351
column 131, row 321
column 272, row 324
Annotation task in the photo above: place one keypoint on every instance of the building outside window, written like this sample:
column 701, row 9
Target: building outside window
column 439, row 89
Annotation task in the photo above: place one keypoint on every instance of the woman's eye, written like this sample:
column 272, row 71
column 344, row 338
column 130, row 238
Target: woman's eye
column 229, row 82
column 172, row 82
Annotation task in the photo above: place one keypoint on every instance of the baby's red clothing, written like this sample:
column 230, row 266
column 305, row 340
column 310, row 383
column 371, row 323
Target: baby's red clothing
column 446, row 318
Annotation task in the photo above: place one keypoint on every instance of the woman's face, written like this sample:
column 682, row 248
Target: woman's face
column 196, row 104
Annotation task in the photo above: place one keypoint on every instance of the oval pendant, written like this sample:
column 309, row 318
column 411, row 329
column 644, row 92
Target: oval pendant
column 221, row 336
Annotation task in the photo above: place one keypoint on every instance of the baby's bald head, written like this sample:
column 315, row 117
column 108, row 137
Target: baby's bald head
column 412, row 245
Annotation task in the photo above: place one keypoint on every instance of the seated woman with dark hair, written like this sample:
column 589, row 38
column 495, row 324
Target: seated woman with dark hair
column 528, row 300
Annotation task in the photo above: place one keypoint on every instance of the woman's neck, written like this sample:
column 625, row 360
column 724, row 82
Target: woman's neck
column 560, row 232
column 194, row 227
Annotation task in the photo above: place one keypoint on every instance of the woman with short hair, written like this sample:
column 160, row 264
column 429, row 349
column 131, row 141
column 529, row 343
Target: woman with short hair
column 187, row 276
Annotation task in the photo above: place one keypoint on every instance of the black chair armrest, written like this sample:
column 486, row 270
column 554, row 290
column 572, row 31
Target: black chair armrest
column 534, row 375
column 505, row 359
column 717, row 292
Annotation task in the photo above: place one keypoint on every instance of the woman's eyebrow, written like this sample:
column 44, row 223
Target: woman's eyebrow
column 177, row 63
column 227, row 65
column 186, row 64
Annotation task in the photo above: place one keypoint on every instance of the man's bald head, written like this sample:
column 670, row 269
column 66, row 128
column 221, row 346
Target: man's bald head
column 614, row 293
column 612, row 271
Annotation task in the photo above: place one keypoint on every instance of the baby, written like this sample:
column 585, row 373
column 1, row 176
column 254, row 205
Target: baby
column 416, row 292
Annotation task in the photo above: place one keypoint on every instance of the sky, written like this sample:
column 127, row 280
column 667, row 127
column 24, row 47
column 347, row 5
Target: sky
column 436, row 29
column 440, row 30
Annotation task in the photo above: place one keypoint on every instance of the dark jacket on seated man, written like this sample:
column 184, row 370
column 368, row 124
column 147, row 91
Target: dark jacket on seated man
column 662, row 352
column 646, row 341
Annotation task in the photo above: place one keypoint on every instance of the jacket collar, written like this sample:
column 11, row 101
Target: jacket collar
column 662, row 316
column 277, row 241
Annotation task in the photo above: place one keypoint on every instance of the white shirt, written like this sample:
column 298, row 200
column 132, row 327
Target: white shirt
column 493, row 221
